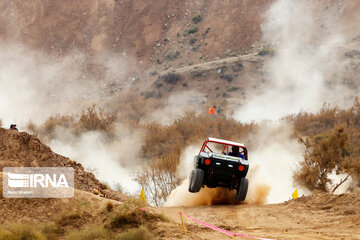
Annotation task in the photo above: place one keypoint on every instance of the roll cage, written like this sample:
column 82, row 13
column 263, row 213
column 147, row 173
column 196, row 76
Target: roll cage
column 226, row 144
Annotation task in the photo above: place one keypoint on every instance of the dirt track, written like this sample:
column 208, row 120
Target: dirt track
column 321, row 216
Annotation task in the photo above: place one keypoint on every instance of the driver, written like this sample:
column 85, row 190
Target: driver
column 235, row 152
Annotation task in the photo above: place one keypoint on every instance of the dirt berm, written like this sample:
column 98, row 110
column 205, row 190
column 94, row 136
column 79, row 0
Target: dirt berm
column 20, row 149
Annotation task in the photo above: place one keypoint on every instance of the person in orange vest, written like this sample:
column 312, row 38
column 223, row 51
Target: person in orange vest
column 212, row 110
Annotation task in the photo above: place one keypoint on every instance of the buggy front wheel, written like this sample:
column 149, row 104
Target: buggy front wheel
column 242, row 189
column 196, row 180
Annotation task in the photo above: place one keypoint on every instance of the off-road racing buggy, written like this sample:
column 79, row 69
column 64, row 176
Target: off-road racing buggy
column 222, row 169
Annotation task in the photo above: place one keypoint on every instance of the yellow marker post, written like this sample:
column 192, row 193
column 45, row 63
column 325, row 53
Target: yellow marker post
column 182, row 222
column 295, row 194
column 142, row 196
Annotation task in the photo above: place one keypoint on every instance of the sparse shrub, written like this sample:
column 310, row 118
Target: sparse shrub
column 109, row 206
column 233, row 89
column 49, row 126
column 319, row 127
column 118, row 188
column 229, row 78
column 140, row 233
column 89, row 233
column 195, row 48
column 32, row 127
column 18, row 231
column 91, row 120
column 237, row 67
column 352, row 54
column 77, row 217
column 159, row 179
column 158, row 83
column 50, row 231
column 104, row 186
column 206, row 32
column 324, row 154
column 266, row 51
column 192, row 41
column 198, row 18
column 172, row 55
column 153, row 72
column 171, row 78
column 152, row 94
column 69, row 219
column 310, row 124
column 192, row 30
column 129, row 215
column 225, row 95
column 196, row 73
column 124, row 218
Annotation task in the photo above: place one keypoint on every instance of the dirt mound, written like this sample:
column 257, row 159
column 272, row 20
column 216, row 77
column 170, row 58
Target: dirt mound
column 42, row 210
column 20, row 149
column 347, row 203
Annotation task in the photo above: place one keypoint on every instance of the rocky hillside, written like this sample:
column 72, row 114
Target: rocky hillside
column 151, row 31
column 164, row 35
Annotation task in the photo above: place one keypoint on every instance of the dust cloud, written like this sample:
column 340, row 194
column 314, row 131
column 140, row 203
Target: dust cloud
column 304, row 70
column 273, row 156
column 175, row 107
column 35, row 86
column 257, row 194
column 301, row 77
column 112, row 161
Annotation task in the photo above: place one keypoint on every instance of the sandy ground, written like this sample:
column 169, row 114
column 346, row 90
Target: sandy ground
column 316, row 217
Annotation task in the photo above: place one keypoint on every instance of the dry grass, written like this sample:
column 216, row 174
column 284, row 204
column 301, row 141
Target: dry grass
column 18, row 231
column 91, row 119
column 79, row 215
column 140, row 233
column 130, row 215
column 50, row 231
column 75, row 223
column 89, row 233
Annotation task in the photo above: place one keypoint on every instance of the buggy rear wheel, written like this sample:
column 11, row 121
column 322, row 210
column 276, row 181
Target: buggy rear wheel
column 242, row 189
column 196, row 180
